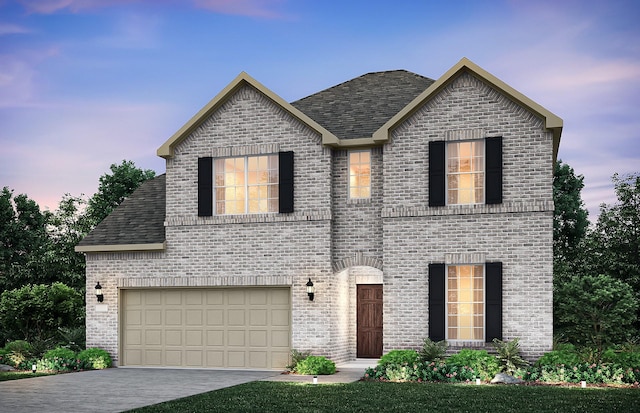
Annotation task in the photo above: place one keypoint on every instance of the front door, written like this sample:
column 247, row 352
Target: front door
column 369, row 320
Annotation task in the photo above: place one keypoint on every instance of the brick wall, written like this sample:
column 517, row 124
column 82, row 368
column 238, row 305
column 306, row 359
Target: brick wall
column 517, row 232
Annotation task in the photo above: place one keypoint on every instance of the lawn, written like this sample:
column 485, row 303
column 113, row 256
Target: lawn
column 16, row 375
column 403, row 397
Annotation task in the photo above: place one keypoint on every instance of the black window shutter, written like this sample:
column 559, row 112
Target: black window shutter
column 493, row 163
column 437, row 173
column 285, row 196
column 205, row 187
column 436, row 301
column 493, row 295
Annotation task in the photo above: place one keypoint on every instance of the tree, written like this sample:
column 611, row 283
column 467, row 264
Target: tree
column 36, row 312
column 68, row 226
column 570, row 222
column 24, row 241
column 617, row 233
column 594, row 310
column 114, row 188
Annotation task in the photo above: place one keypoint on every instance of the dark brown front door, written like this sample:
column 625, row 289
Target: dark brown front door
column 369, row 320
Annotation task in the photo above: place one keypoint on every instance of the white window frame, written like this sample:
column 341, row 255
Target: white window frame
column 349, row 185
column 473, row 173
column 246, row 185
column 484, row 304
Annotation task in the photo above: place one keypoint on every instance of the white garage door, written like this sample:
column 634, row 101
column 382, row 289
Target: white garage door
column 234, row 328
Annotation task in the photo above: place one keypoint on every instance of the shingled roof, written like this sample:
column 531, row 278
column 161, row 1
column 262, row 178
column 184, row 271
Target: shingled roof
column 137, row 221
column 358, row 107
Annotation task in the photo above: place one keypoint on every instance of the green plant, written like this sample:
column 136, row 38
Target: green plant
column 316, row 365
column 432, row 350
column 296, row 357
column 73, row 337
column 4, row 356
column 565, row 354
column 19, row 351
column 35, row 312
column 484, row 364
column 59, row 352
column 399, row 357
column 509, row 355
column 95, row 358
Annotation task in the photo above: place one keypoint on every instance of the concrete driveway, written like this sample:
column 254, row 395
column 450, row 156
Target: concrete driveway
column 115, row 390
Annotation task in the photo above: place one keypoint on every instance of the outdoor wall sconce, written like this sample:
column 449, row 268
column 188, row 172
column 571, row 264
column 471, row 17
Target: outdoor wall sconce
column 310, row 290
column 99, row 294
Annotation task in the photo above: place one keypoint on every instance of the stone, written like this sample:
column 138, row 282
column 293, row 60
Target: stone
column 505, row 379
column 4, row 367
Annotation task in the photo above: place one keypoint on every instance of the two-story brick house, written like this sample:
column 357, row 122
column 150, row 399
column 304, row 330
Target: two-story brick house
column 417, row 208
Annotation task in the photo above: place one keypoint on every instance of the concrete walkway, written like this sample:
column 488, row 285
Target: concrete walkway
column 120, row 389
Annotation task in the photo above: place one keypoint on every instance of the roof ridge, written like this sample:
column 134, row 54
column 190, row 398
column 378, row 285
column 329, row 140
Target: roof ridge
column 362, row 76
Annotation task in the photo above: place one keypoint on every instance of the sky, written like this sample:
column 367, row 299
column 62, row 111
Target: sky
column 88, row 83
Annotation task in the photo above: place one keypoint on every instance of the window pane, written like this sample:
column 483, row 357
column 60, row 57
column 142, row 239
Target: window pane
column 465, row 172
column 359, row 174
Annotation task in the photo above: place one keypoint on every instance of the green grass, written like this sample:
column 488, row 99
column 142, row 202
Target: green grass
column 402, row 397
column 17, row 375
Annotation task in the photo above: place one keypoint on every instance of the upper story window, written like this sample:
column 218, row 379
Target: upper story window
column 465, row 172
column 246, row 185
column 360, row 174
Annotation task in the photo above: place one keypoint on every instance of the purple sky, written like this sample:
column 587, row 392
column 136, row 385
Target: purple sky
column 88, row 83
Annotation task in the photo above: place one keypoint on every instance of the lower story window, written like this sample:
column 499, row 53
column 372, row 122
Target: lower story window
column 465, row 303
column 246, row 185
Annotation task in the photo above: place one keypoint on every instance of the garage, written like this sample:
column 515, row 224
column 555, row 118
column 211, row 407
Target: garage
column 206, row 327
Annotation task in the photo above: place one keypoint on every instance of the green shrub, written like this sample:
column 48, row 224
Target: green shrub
column 484, row 364
column 296, row 357
column 421, row 372
column 432, row 350
column 399, row 357
column 625, row 359
column 4, row 356
column 565, row 354
column 508, row 356
column 316, row 365
column 60, row 352
column 73, row 338
column 35, row 312
column 95, row 358
column 19, row 351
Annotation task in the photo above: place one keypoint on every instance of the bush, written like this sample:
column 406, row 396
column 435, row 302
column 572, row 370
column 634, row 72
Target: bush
column 95, row 358
column 60, row 352
column 432, row 350
column 482, row 363
column 509, row 355
column 73, row 338
column 316, row 365
column 296, row 357
column 565, row 354
column 594, row 311
column 4, row 356
column 19, row 351
column 399, row 357
column 35, row 312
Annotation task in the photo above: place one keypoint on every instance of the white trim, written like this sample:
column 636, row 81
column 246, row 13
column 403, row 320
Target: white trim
column 122, row 247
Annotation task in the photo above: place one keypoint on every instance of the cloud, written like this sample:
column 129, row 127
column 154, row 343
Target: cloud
column 18, row 77
column 251, row 8
column 9, row 28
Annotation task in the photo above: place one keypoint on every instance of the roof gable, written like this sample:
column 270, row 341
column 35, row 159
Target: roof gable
column 167, row 149
column 552, row 122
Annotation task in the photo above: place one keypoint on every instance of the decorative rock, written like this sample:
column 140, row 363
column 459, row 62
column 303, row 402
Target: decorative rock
column 506, row 379
column 4, row 367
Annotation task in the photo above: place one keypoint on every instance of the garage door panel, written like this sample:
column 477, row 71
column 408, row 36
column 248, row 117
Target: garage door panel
column 235, row 317
column 223, row 327
column 235, row 338
column 193, row 338
column 193, row 317
column 153, row 337
column 215, row 337
column 173, row 337
column 258, row 338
